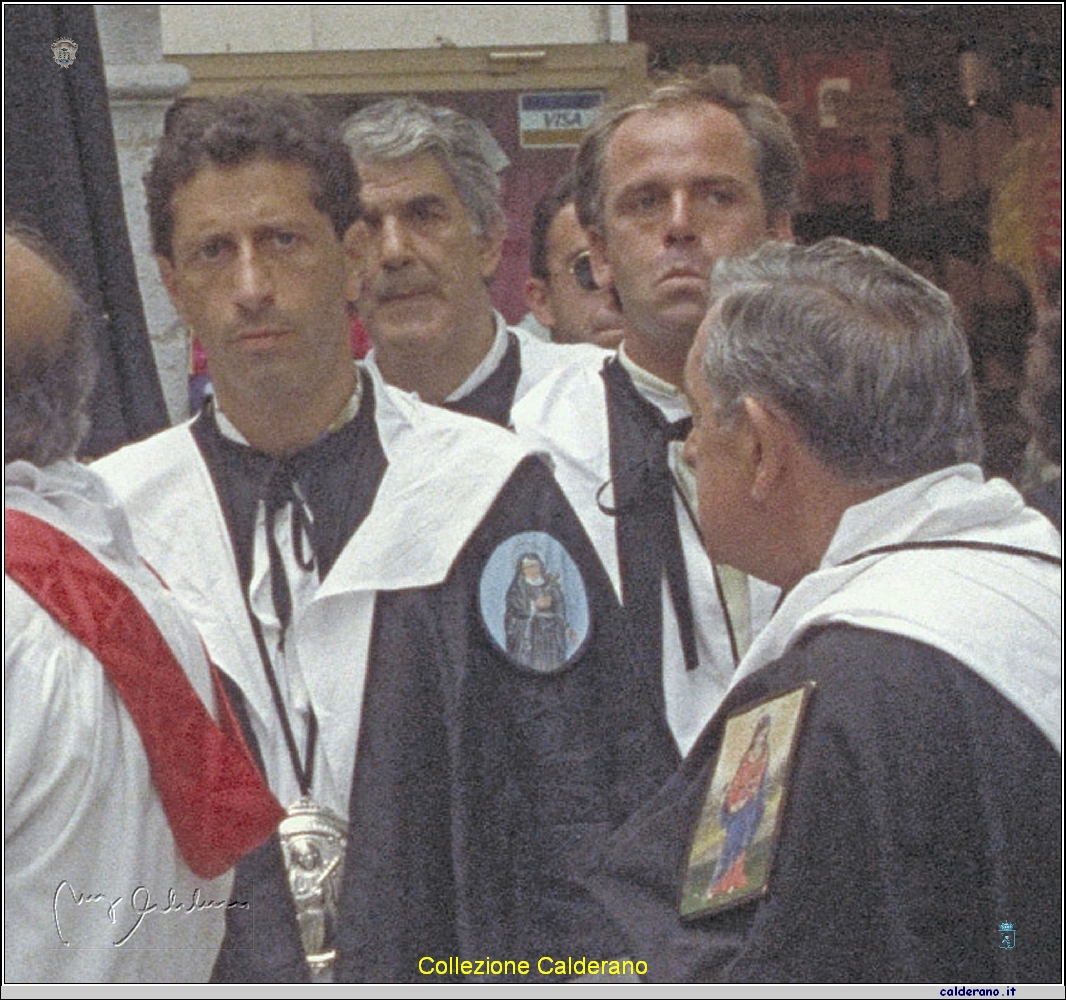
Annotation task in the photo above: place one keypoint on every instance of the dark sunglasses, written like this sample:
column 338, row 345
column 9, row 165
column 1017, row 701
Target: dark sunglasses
column 581, row 269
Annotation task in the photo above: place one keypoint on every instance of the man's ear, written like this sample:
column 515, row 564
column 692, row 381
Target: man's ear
column 538, row 298
column 772, row 441
column 491, row 251
column 601, row 267
column 353, row 239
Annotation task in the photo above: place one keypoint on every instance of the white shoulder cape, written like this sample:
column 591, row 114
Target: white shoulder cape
column 443, row 473
column 997, row 613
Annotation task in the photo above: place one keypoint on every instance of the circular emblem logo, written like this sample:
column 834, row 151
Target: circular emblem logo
column 533, row 602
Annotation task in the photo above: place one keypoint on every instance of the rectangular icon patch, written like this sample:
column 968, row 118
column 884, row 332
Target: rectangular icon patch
column 732, row 848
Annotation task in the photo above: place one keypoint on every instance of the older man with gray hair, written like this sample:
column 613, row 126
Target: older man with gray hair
column 904, row 816
column 433, row 233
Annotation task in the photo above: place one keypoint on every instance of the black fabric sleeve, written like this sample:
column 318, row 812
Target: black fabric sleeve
column 923, row 810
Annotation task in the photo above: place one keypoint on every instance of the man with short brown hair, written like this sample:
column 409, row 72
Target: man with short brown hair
column 700, row 169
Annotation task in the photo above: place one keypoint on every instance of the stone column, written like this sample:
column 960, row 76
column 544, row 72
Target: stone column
column 140, row 87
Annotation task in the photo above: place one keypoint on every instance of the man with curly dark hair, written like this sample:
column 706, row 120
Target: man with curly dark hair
column 330, row 535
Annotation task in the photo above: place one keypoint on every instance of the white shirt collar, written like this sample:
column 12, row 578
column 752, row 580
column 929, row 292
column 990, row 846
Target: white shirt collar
column 488, row 364
column 965, row 603
column 665, row 396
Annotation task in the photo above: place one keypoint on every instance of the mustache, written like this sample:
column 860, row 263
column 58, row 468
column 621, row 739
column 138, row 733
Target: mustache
column 255, row 321
column 397, row 286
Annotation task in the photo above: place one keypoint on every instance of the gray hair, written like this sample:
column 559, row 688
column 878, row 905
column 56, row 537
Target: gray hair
column 47, row 385
column 866, row 358
column 778, row 161
column 402, row 128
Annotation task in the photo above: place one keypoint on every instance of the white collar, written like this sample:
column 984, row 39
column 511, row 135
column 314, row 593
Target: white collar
column 958, row 600
column 488, row 364
column 663, row 395
column 485, row 367
column 954, row 502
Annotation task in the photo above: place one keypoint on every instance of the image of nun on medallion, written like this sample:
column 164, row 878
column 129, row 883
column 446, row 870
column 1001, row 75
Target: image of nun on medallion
column 533, row 602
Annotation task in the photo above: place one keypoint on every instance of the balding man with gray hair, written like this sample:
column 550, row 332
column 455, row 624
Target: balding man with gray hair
column 433, row 232
column 901, row 819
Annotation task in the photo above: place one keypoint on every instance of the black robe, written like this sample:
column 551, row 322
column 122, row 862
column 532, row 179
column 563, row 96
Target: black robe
column 923, row 810
column 477, row 782
column 493, row 399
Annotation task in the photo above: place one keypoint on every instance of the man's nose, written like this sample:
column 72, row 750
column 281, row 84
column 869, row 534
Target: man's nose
column 254, row 279
column 395, row 248
column 681, row 223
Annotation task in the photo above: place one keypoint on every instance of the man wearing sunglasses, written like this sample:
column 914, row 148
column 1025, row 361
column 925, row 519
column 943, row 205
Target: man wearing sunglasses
column 562, row 292
column 434, row 231
column 701, row 168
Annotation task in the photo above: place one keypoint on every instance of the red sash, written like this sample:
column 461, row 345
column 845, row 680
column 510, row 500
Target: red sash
column 217, row 803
